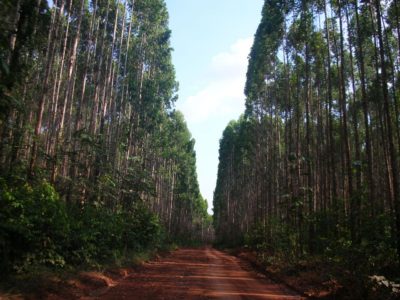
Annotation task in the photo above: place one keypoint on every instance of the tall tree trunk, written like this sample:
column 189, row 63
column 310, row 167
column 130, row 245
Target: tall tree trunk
column 392, row 148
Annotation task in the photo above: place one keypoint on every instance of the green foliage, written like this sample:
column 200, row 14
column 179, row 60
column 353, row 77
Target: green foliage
column 33, row 221
column 98, row 234
column 120, row 157
column 311, row 172
column 273, row 239
column 36, row 229
column 374, row 250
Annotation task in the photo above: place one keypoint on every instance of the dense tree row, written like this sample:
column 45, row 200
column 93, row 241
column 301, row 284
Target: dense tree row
column 314, row 163
column 87, row 91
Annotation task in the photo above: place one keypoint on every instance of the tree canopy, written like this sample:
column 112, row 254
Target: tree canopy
column 312, row 166
column 87, row 93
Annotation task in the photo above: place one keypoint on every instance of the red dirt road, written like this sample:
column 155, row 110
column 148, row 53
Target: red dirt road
column 196, row 274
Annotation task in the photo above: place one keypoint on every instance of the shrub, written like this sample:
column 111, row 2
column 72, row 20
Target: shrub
column 36, row 229
column 33, row 226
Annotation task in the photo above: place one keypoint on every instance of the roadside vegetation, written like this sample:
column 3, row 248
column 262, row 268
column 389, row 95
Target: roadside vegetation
column 308, row 176
column 96, row 165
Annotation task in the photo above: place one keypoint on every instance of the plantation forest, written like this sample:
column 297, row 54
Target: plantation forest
column 97, row 166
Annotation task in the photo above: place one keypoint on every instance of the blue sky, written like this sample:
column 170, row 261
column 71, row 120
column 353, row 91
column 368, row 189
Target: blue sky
column 211, row 41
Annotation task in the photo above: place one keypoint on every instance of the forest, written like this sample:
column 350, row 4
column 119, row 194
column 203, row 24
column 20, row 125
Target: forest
column 310, row 171
column 96, row 164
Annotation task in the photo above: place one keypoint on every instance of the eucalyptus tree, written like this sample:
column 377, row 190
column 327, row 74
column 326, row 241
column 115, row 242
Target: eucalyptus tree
column 322, row 95
column 87, row 92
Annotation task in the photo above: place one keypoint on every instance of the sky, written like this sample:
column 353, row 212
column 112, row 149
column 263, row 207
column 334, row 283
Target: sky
column 211, row 41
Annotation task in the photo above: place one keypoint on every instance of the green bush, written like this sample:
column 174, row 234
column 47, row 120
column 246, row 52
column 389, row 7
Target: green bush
column 99, row 234
column 33, row 226
column 37, row 229
column 274, row 238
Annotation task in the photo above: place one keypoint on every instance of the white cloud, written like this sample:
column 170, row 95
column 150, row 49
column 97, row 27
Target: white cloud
column 210, row 107
column 222, row 96
column 234, row 60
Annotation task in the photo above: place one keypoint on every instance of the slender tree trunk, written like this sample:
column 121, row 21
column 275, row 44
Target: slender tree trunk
column 392, row 148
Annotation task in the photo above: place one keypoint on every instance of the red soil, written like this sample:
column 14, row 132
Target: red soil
column 184, row 274
column 196, row 274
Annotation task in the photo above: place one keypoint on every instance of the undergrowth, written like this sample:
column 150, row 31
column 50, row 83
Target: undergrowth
column 38, row 232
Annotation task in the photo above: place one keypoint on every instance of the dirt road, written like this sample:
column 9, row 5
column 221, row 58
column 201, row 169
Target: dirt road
column 196, row 274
